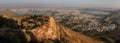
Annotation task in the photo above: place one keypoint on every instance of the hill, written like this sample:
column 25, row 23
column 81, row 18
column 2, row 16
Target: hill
column 38, row 29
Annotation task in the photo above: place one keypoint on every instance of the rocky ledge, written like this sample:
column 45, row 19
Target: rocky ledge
column 38, row 29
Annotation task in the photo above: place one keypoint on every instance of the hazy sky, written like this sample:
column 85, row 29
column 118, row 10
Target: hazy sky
column 59, row 3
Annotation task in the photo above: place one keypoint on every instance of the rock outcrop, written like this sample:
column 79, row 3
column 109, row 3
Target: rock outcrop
column 41, row 29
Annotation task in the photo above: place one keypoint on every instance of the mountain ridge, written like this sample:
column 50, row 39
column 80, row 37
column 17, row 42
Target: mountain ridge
column 45, row 29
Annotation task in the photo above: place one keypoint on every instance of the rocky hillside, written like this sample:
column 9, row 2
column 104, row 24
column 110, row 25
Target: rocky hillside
column 38, row 29
column 103, row 27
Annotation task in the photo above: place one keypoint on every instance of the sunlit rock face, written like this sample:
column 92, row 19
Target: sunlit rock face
column 43, row 29
column 55, row 32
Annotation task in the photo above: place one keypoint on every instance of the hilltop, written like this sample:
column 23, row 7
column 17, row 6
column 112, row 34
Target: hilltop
column 38, row 29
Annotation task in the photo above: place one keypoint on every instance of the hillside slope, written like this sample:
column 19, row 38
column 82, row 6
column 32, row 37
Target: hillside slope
column 40, row 29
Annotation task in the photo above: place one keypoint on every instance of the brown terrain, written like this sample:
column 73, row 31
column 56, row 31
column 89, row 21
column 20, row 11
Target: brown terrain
column 38, row 29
